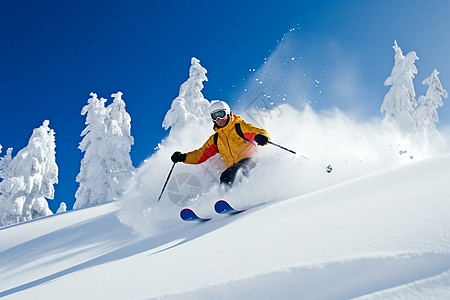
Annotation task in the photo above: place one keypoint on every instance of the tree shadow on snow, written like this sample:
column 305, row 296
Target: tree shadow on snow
column 104, row 234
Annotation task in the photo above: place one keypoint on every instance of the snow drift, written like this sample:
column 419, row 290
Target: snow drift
column 384, row 235
column 353, row 149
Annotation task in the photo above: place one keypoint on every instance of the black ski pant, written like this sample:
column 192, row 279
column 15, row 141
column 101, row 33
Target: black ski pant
column 229, row 175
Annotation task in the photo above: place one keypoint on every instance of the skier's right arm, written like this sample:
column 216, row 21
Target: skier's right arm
column 209, row 149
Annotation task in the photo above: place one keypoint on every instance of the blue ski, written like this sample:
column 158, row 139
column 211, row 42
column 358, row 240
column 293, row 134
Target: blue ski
column 188, row 214
column 223, row 207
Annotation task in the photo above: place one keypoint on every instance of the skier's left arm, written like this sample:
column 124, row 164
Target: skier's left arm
column 255, row 134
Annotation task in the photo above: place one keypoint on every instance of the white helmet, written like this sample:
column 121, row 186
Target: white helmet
column 217, row 105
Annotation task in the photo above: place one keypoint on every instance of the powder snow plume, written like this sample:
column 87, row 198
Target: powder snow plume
column 276, row 98
column 352, row 148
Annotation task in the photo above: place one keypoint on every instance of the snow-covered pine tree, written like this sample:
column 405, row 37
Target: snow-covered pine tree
column 28, row 178
column 62, row 208
column 92, row 178
column 425, row 113
column 107, row 141
column 399, row 102
column 5, row 162
column 190, row 105
column 119, row 144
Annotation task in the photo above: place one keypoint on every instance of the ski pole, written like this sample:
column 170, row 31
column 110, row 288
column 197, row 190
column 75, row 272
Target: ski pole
column 165, row 184
column 329, row 168
column 284, row 148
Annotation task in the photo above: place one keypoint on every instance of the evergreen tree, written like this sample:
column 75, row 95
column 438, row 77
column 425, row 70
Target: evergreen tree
column 28, row 178
column 399, row 102
column 425, row 114
column 62, row 208
column 119, row 144
column 92, row 178
column 5, row 162
column 107, row 141
column 190, row 105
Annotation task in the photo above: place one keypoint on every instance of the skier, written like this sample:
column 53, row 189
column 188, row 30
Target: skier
column 234, row 139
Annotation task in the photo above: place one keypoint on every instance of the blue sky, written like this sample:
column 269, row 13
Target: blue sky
column 53, row 54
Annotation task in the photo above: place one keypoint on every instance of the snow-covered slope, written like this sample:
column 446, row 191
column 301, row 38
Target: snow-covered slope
column 381, row 236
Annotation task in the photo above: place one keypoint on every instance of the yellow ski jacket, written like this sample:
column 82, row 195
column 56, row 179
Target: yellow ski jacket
column 231, row 146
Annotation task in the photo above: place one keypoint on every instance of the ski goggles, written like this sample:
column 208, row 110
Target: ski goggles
column 218, row 115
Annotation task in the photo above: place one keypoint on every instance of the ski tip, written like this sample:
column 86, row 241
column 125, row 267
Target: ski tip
column 188, row 214
column 223, row 207
column 221, row 202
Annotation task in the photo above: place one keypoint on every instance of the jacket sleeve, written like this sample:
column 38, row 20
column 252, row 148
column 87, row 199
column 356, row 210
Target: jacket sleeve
column 250, row 131
column 209, row 149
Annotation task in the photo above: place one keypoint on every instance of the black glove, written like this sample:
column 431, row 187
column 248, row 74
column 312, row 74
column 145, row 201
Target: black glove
column 178, row 157
column 261, row 139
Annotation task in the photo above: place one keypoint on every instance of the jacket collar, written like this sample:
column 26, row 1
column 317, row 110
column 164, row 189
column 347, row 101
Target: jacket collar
column 233, row 119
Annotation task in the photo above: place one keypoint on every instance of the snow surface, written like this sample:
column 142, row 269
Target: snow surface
column 376, row 227
column 383, row 235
